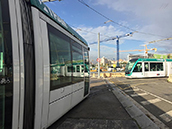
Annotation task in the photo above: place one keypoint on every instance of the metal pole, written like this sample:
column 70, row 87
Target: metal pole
column 98, row 55
column 117, row 42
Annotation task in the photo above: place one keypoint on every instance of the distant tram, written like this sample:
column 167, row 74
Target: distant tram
column 144, row 67
column 44, row 66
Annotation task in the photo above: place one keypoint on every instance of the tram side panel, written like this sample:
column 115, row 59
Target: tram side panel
column 169, row 68
column 52, row 103
column 155, row 69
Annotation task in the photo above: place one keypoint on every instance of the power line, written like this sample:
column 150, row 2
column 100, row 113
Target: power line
column 79, row 29
column 105, row 16
column 81, row 1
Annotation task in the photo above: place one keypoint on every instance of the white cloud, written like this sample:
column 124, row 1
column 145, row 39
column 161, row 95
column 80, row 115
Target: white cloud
column 152, row 16
column 106, row 48
column 106, row 32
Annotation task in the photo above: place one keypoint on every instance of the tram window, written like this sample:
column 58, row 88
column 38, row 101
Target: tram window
column 153, row 67
column 70, row 68
column 86, row 65
column 146, row 67
column 82, row 68
column 60, row 59
column 156, row 66
column 74, row 68
column 77, row 59
column 160, row 66
column 77, row 68
column 86, row 59
column 138, row 67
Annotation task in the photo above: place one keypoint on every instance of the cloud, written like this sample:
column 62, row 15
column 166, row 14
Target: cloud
column 152, row 16
column 106, row 32
column 91, row 33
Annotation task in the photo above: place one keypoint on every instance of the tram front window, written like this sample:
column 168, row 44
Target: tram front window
column 129, row 66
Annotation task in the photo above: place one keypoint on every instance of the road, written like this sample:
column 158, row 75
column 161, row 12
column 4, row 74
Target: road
column 154, row 94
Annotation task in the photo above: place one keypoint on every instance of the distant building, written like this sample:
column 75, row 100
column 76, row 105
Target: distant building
column 150, row 55
column 105, row 61
column 131, row 56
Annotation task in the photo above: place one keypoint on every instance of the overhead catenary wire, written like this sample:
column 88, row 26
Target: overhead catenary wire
column 81, row 1
column 110, row 20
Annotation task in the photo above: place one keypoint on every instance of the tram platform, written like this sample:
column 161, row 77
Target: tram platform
column 100, row 110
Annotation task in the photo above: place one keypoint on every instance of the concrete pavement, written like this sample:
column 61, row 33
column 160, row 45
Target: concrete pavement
column 103, row 110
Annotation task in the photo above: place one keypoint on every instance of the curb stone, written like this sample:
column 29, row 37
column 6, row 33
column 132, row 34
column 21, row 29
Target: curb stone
column 143, row 121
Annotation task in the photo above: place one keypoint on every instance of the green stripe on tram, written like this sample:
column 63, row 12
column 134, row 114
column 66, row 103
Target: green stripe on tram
column 41, row 6
column 147, row 60
column 133, row 68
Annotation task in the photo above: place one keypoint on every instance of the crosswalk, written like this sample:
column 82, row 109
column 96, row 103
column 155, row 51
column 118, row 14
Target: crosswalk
column 139, row 94
column 152, row 101
column 166, row 116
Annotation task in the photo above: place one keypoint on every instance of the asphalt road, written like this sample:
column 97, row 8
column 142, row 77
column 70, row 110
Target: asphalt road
column 154, row 94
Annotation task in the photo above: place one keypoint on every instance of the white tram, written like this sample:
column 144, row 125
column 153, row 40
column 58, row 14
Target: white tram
column 143, row 67
column 44, row 66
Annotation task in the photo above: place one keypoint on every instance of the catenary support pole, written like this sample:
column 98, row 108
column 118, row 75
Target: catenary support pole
column 98, row 55
column 117, row 43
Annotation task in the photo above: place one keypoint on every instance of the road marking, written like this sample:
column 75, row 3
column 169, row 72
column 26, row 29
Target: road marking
column 135, row 89
column 156, row 96
column 167, row 116
column 151, row 101
column 139, row 94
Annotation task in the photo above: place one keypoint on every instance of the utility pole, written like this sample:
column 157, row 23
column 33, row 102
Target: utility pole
column 117, row 43
column 98, row 55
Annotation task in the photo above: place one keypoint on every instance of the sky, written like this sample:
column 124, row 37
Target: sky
column 149, row 20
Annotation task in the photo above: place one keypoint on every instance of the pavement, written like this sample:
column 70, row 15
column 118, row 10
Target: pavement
column 107, row 107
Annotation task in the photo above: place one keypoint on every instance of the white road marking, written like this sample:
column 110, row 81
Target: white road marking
column 139, row 94
column 156, row 96
column 135, row 89
column 151, row 101
column 167, row 116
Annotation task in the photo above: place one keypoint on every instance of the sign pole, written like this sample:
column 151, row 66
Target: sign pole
column 98, row 55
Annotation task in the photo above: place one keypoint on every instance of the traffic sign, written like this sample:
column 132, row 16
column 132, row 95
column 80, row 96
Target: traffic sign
column 98, row 59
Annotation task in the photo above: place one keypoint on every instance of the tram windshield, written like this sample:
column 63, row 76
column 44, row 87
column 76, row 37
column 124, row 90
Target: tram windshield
column 130, row 65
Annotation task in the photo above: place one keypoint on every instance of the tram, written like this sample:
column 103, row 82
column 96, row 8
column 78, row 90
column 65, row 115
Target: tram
column 44, row 66
column 147, row 67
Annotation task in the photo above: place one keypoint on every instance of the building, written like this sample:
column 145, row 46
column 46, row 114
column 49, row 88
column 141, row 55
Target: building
column 131, row 56
column 105, row 61
column 149, row 55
